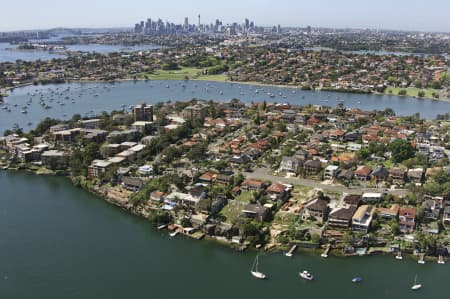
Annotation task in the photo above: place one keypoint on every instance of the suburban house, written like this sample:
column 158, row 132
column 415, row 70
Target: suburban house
column 276, row 191
column 352, row 200
column 380, row 174
column 341, row 217
column 224, row 179
column 372, row 197
column 316, row 209
column 398, row 174
column 362, row 173
column 362, row 218
column 389, row 213
column 312, row 166
column 252, row 185
column 330, row 172
column 407, row 219
column 416, row 175
column 290, row 164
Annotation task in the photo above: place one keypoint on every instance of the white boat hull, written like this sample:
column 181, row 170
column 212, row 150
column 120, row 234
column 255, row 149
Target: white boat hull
column 258, row 275
column 416, row 287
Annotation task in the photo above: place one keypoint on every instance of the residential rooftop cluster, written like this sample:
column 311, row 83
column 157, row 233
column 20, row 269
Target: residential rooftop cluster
column 260, row 174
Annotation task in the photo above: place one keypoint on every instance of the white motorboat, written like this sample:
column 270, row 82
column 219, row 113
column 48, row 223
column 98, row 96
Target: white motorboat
column 254, row 271
column 306, row 275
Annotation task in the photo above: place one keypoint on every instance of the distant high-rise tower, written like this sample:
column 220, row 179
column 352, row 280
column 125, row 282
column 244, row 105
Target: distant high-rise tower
column 199, row 24
column 186, row 23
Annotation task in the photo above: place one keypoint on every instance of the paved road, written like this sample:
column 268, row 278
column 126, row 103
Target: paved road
column 263, row 174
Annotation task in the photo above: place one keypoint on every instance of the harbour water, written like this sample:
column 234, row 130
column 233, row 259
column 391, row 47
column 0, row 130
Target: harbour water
column 58, row 241
column 27, row 104
column 8, row 55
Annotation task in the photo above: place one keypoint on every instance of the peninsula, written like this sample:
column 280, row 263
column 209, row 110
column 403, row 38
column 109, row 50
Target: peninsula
column 264, row 175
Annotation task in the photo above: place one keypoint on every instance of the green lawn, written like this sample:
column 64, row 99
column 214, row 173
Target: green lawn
column 412, row 91
column 181, row 74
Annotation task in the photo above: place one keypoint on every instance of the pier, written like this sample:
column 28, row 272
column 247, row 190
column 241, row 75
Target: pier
column 327, row 250
column 421, row 259
column 291, row 251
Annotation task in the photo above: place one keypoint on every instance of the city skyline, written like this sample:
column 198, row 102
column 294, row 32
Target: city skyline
column 398, row 15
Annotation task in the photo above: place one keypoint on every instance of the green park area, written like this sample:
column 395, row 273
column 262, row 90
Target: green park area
column 183, row 73
column 414, row 92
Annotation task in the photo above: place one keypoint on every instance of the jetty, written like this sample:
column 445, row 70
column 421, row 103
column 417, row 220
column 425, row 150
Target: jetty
column 327, row 250
column 291, row 251
column 421, row 259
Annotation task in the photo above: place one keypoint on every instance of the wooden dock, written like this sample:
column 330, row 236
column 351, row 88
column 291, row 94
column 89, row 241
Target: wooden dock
column 291, row 251
column 327, row 250
column 421, row 259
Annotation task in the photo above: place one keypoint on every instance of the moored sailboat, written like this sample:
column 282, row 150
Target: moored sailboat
column 254, row 271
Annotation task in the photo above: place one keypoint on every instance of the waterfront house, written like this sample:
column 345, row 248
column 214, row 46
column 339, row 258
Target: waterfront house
column 341, row 217
column 97, row 168
column 446, row 217
column 53, row 156
column 256, row 211
column 315, row 209
column 132, row 184
column 432, row 207
column 362, row 218
column 157, row 196
column 182, row 199
column 407, row 219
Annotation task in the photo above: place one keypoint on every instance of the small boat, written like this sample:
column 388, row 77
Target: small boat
column 441, row 260
column 24, row 111
column 416, row 285
column 306, row 275
column 254, row 270
column 162, row 226
column 174, row 234
column 399, row 255
column 356, row 279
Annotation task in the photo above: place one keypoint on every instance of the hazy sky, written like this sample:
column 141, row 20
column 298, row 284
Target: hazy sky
column 379, row 14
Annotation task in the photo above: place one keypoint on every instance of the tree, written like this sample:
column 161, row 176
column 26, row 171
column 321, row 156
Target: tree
column 401, row 150
column 257, row 119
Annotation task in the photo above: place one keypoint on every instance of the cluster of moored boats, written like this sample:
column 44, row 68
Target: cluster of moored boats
column 304, row 274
